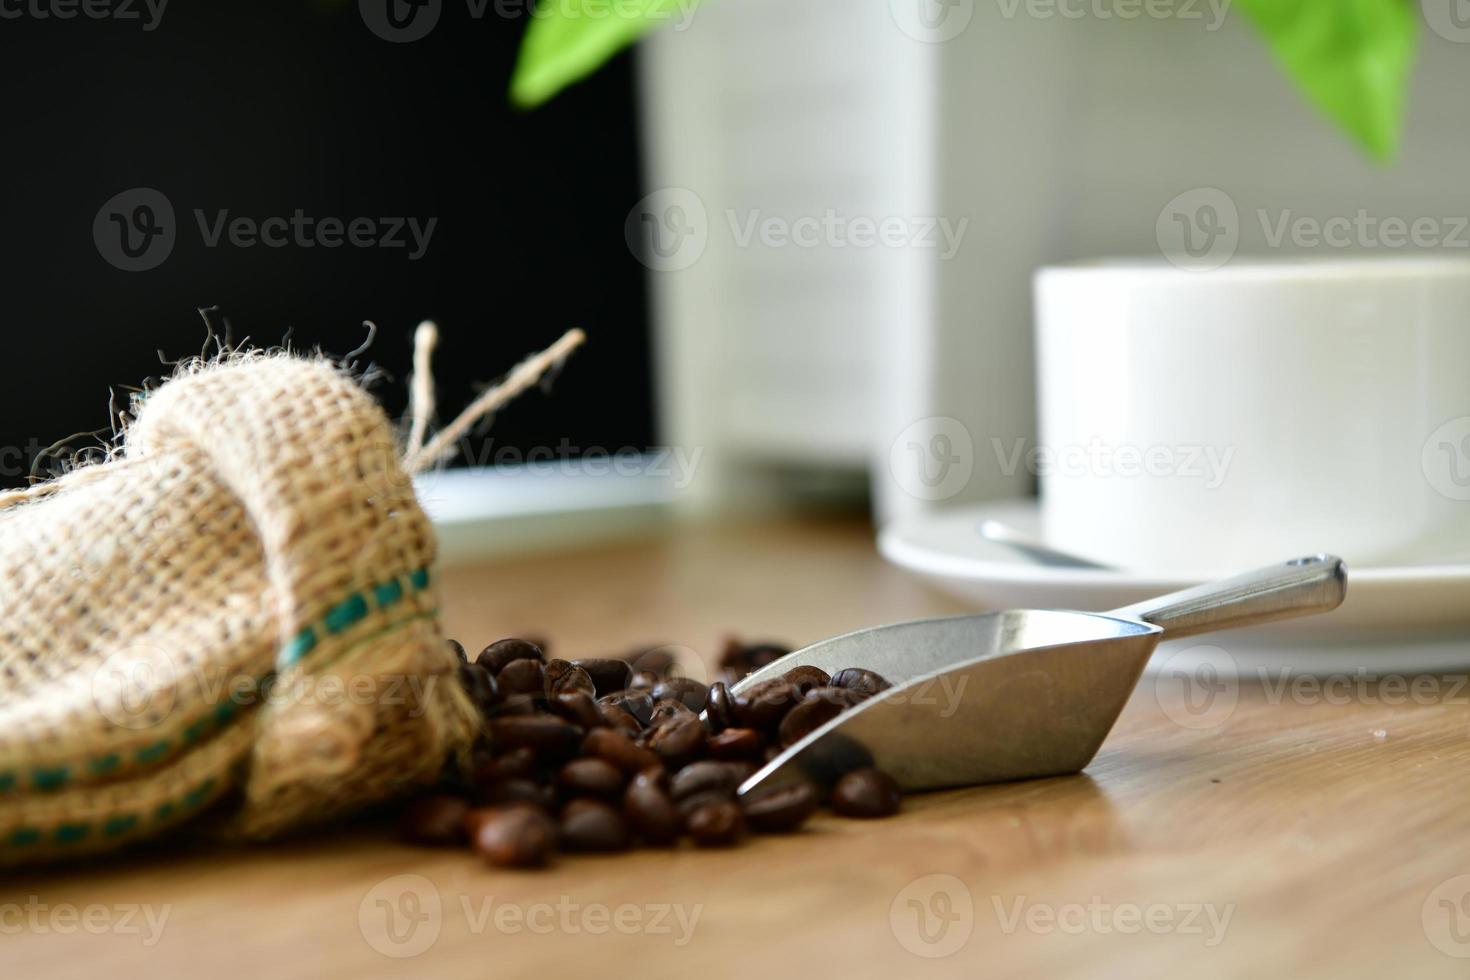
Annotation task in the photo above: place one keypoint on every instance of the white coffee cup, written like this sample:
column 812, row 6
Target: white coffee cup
column 1215, row 420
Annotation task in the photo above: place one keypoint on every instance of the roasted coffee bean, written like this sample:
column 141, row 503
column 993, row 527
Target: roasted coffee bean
column 458, row 650
column 764, row 705
column 719, row 707
column 779, row 809
column 667, row 709
column 526, row 677
column 735, row 743
column 550, row 736
column 563, row 676
column 862, row 681
column 698, row 801
column 434, row 820
column 719, row 793
column 678, row 741
column 555, row 668
column 575, row 679
column 866, row 793
column 591, row 776
column 639, row 704
column 517, row 704
column 525, row 791
column 806, row 718
column 702, row 777
column 480, row 686
column 607, row 675
column 688, row 691
column 716, row 825
column 578, row 708
column 616, row 716
column 514, row 764
column 742, row 769
column 495, row 657
column 843, row 697
column 656, row 775
column 807, row 677
column 649, row 809
column 516, row 837
column 605, row 743
column 474, row 816
column 643, row 680
column 591, row 825
column 648, row 767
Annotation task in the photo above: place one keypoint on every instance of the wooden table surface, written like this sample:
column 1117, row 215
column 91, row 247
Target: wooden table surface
column 1258, row 834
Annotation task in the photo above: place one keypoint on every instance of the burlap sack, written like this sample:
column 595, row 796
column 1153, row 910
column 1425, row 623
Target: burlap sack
column 239, row 609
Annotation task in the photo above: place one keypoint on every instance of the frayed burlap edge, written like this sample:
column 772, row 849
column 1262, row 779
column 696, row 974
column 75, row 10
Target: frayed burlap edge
column 292, row 761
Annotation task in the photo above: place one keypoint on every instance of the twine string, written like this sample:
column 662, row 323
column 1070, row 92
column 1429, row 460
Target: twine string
column 421, row 386
column 521, row 377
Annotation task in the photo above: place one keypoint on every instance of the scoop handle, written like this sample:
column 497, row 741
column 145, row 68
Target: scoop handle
column 1313, row 584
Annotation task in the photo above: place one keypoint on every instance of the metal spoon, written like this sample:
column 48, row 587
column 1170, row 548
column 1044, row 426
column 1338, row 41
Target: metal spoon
column 1021, row 693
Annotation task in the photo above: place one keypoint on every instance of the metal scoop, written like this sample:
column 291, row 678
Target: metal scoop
column 1021, row 693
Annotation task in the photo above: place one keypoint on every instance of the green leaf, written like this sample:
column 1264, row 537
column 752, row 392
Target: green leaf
column 1352, row 58
column 569, row 39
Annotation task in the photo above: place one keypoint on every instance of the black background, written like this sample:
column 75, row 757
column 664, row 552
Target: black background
column 265, row 106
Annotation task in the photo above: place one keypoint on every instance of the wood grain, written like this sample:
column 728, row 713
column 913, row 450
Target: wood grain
column 1324, row 835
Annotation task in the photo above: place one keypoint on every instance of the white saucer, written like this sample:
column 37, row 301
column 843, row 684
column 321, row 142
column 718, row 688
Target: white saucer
column 1397, row 618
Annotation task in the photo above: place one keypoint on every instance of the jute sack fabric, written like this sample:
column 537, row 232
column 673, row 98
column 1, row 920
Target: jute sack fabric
column 236, row 613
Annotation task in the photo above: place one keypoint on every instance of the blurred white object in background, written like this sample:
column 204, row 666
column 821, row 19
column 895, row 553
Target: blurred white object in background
column 1267, row 408
column 491, row 511
column 1046, row 132
column 767, row 123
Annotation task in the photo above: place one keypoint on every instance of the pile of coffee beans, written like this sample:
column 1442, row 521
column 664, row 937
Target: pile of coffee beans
column 605, row 754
